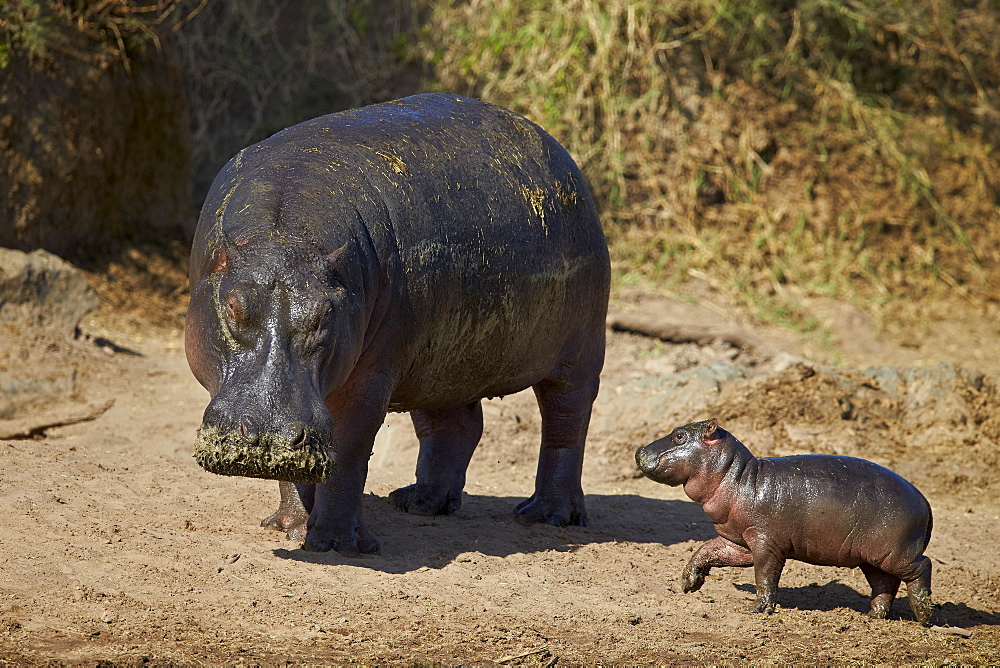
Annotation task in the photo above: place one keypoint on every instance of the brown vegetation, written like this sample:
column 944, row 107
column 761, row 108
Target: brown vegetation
column 776, row 149
column 843, row 149
column 94, row 139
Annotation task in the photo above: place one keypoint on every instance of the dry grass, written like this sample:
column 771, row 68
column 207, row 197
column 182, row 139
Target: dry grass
column 36, row 28
column 253, row 68
column 777, row 148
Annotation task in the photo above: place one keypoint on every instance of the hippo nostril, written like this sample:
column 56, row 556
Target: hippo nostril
column 297, row 437
column 648, row 461
column 247, row 431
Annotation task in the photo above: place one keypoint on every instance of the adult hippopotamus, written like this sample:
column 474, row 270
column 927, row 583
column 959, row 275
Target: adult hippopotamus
column 416, row 255
column 821, row 509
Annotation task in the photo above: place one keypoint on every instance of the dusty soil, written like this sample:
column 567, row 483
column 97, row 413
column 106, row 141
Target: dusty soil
column 118, row 549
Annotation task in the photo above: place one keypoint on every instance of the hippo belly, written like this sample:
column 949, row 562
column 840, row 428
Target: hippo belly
column 841, row 511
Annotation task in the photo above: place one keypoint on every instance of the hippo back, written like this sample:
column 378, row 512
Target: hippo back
column 485, row 235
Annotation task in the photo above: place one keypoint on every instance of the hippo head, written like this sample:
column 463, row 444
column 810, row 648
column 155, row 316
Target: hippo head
column 269, row 334
column 672, row 460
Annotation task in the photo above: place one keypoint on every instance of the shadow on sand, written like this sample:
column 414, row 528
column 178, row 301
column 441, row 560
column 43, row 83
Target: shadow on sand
column 486, row 524
column 835, row 594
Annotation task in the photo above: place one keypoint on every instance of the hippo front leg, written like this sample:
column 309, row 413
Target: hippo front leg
column 558, row 497
column 292, row 511
column 335, row 520
column 767, row 567
column 716, row 552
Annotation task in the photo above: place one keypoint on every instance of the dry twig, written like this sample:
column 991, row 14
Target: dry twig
column 27, row 430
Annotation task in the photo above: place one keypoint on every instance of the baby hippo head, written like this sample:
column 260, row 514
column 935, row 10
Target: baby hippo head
column 686, row 450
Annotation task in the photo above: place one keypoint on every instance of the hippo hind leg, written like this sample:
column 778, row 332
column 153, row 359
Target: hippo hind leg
column 918, row 590
column 448, row 437
column 917, row 576
column 292, row 515
column 884, row 587
column 558, row 497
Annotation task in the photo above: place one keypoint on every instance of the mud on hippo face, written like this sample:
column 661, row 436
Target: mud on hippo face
column 279, row 340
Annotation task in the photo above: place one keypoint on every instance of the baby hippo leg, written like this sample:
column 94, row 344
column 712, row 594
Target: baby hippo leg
column 717, row 552
column 767, row 567
column 918, row 590
column 915, row 571
column 884, row 588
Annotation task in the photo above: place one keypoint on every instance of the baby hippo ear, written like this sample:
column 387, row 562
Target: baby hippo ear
column 711, row 431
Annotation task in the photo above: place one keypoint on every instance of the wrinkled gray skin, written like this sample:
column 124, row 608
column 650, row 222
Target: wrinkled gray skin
column 821, row 509
column 416, row 255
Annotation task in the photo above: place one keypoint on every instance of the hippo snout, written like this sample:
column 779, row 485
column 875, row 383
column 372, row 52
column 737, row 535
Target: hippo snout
column 648, row 459
column 282, row 447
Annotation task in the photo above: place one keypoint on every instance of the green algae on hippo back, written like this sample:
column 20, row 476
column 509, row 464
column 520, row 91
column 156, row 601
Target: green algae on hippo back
column 414, row 256
column 227, row 452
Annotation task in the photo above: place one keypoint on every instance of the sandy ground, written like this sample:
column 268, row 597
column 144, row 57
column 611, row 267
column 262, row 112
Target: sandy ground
column 118, row 549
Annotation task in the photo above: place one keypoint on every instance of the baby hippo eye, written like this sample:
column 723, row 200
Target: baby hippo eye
column 680, row 437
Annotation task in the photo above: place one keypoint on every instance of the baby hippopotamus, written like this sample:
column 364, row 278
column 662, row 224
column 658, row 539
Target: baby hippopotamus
column 821, row 509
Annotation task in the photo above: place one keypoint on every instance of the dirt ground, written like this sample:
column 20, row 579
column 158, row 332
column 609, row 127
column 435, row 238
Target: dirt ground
column 119, row 550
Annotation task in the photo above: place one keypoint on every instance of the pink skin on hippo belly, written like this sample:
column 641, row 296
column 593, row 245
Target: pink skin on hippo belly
column 821, row 509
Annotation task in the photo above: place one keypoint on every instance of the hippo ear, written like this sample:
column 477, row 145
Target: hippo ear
column 334, row 258
column 333, row 263
column 711, row 431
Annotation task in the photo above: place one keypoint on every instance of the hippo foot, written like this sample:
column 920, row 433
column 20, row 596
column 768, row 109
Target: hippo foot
column 564, row 513
column 292, row 522
column 353, row 545
column 692, row 579
column 879, row 610
column 283, row 521
column 765, row 604
column 421, row 499
column 922, row 606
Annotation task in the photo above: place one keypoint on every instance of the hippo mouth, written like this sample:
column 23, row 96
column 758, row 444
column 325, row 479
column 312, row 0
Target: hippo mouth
column 226, row 452
column 656, row 465
column 648, row 460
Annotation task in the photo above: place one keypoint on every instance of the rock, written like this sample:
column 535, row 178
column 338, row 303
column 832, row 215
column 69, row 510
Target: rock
column 645, row 401
column 930, row 395
column 40, row 289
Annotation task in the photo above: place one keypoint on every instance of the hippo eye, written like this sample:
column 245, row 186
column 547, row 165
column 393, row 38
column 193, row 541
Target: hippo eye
column 680, row 437
column 234, row 307
column 317, row 328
